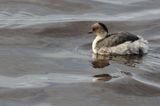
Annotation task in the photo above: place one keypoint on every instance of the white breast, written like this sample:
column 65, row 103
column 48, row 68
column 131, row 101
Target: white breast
column 94, row 44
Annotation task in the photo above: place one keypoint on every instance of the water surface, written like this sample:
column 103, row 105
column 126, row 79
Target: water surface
column 46, row 58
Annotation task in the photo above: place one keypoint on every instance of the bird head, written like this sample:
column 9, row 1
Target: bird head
column 99, row 29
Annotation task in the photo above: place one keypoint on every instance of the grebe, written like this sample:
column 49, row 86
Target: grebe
column 121, row 43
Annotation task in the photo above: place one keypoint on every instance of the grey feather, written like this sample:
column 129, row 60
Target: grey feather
column 116, row 39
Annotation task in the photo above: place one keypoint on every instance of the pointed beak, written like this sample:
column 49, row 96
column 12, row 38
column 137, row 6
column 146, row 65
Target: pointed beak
column 90, row 32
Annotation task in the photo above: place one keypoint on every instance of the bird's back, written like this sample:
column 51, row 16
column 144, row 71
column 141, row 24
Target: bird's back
column 116, row 39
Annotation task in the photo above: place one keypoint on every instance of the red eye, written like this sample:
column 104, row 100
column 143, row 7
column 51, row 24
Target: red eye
column 94, row 29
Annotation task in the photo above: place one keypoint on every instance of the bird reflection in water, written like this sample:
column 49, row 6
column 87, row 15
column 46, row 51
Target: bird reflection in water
column 101, row 61
column 102, row 77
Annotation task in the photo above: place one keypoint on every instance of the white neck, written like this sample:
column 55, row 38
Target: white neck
column 94, row 43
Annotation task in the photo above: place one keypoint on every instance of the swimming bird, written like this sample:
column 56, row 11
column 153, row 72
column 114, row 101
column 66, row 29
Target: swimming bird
column 120, row 43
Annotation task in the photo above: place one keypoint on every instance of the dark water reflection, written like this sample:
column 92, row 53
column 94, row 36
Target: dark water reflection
column 100, row 61
column 102, row 77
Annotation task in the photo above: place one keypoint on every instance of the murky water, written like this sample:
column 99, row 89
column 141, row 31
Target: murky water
column 46, row 58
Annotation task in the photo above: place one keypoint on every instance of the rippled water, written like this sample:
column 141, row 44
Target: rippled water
column 46, row 58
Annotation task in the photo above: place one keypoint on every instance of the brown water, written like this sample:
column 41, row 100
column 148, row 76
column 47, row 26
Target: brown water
column 46, row 58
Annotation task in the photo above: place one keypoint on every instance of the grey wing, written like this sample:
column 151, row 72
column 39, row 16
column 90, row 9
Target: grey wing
column 117, row 38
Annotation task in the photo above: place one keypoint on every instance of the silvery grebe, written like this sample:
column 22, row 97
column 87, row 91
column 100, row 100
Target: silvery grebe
column 121, row 43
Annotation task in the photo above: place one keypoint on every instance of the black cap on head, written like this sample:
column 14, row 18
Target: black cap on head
column 97, row 26
column 104, row 26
